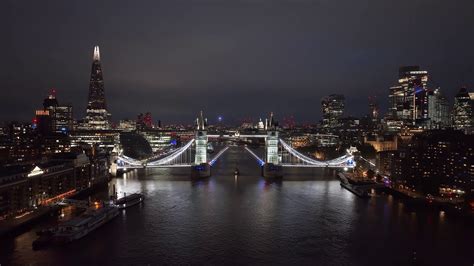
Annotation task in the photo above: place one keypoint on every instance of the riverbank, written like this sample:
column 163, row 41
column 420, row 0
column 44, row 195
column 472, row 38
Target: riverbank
column 414, row 200
column 451, row 208
column 358, row 187
column 354, row 189
column 19, row 224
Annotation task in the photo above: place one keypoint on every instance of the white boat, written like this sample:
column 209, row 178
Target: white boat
column 85, row 223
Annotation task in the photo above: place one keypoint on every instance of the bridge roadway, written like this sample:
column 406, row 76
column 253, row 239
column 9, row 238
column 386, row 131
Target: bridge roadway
column 236, row 136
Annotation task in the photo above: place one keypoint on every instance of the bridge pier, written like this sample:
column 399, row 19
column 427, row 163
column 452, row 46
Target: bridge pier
column 270, row 170
column 114, row 169
column 200, row 171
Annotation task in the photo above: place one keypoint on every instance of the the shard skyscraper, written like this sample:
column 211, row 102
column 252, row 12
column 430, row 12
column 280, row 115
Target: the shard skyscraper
column 97, row 116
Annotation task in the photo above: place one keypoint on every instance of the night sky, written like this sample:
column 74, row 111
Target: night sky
column 236, row 58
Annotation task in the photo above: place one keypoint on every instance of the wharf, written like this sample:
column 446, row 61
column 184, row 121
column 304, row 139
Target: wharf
column 10, row 226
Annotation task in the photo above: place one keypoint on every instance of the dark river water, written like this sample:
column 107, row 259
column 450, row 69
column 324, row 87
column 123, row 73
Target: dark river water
column 307, row 218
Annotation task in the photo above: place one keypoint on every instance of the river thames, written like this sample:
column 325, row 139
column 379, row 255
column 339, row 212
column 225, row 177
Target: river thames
column 306, row 218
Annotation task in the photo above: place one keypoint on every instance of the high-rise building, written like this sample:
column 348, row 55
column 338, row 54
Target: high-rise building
column 62, row 119
column 438, row 110
column 463, row 113
column 408, row 99
column 333, row 109
column 144, row 121
column 371, row 121
column 42, row 122
column 54, row 117
column 24, row 143
column 437, row 162
column 97, row 116
column 53, row 123
column 373, row 110
column 127, row 125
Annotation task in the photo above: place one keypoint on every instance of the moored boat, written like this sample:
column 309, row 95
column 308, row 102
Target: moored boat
column 130, row 200
column 77, row 227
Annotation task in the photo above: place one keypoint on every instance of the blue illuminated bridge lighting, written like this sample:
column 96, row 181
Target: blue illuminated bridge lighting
column 211, row 163
column 260, row 161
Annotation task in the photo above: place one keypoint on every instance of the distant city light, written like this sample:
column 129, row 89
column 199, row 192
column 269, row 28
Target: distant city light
column 219, row 118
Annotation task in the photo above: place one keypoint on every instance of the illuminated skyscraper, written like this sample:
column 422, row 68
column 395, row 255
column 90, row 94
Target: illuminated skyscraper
column 54, row 117
column 97, row 116
column 463, row 113
column 62, row 119
column 333, row 109
column 438, row 110
column 408, row 99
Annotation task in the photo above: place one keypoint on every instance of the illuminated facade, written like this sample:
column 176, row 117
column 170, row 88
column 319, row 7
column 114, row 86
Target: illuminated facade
column 326, row 140
column 61, row 118
column 201, row 140
column 408, row 99
column 271, row 141
column 271, row 146
column 438, row 110
column 24, row 143
column 97, row 116
column 300, row 141
column 333, row 109
column 24, row 187
column 158, row 140
column 127, row 125
column 463, row 114
column 54, row 118
column 436, row 161
column 104, row 139
column 382, row 142
column 53, row 123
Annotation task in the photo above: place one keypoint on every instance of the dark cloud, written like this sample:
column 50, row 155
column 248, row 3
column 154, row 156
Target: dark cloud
column 238, row 58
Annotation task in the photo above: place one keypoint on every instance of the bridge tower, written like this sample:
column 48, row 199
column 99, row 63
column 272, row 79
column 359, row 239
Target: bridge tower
column 272, row 167
column 201, row 168
column 116, row 152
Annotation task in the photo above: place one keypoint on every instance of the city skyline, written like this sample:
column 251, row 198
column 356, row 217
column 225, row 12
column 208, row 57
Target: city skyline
column 157, row 69
column 244, row 132
column 97, row 106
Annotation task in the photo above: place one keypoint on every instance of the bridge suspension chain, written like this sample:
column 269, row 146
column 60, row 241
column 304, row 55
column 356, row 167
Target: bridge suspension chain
column 175, row 156
column 343, row 161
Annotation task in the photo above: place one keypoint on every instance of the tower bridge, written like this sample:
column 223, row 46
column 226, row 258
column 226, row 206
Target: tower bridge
column 278, row 154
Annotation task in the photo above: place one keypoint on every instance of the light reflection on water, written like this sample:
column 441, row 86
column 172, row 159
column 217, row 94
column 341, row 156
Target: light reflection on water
column 306, row 218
